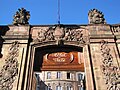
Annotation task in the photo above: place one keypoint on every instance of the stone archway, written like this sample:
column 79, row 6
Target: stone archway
column 42, row 51
column 61, row 59
column 60, row 36
column 73, row 59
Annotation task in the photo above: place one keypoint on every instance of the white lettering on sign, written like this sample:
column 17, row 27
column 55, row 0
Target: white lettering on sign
column 59, row 54
column 60, row 57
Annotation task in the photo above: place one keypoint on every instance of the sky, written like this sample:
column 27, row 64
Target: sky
column 71, row 11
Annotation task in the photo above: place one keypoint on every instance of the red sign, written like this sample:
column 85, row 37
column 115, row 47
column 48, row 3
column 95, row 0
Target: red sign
column 60, row 57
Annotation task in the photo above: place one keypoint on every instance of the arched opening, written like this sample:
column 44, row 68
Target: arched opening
column 59, row 68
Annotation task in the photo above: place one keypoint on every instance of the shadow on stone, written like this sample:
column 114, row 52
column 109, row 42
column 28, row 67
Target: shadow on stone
column 3, row 30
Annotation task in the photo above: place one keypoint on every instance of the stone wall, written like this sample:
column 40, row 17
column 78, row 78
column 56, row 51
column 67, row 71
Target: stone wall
column 18, row 45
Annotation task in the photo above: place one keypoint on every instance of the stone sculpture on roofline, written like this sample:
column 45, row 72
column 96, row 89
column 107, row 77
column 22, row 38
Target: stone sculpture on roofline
column 21, row 17
column 96, row 17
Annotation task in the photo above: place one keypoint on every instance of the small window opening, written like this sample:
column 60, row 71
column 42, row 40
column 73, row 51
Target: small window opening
column 68, row 75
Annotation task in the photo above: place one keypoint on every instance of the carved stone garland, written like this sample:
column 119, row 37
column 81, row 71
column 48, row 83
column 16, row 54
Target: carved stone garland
column 109, row 70
column 60, row 33
column 10, row 69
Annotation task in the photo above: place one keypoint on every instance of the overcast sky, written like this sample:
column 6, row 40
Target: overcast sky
column 72, row 11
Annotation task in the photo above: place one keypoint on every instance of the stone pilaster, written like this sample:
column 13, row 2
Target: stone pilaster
column 99, row 33
column 14, row 50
